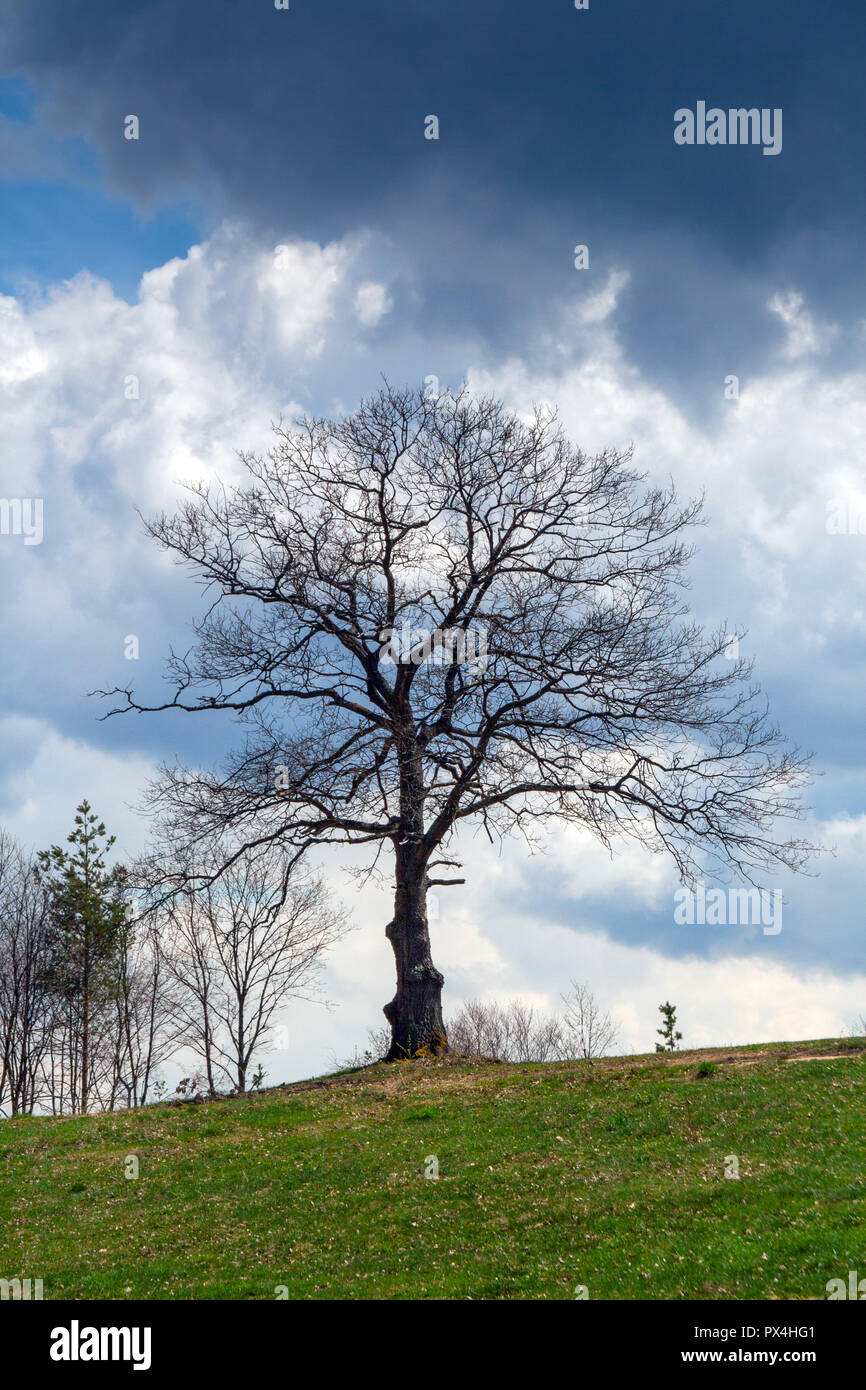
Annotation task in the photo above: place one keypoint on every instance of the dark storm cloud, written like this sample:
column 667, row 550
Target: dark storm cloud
column 556, row 128
column 316, row 113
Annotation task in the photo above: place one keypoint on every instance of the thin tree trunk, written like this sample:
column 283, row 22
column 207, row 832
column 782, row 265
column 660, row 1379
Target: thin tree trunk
column 208, row 1046
column 241, row 1045
column 415, row 1012
column 85, row 1050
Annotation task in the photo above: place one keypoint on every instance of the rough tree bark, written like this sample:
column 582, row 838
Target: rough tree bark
column 415, row 1012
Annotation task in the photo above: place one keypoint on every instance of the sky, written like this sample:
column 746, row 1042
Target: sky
column 151, row 326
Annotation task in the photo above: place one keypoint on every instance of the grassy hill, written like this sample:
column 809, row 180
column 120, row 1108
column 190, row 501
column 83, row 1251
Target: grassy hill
column 609, row 1175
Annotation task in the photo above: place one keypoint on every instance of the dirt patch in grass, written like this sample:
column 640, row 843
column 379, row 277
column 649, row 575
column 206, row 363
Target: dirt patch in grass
column 819, row 1057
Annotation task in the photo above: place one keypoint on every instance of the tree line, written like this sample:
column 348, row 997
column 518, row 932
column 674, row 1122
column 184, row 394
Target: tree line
column 105, row 974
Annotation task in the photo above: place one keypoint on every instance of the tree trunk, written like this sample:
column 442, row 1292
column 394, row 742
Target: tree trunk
column 415, row 1012
column 85, row 1047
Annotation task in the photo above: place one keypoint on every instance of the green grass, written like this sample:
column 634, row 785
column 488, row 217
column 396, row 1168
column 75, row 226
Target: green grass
column 609, row 1175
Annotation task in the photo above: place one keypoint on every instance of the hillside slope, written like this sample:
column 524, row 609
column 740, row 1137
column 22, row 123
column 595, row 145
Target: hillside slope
column 609, row 1175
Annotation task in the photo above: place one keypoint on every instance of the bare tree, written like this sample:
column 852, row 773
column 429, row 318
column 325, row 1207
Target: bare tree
column 146, row 1014
column 587, row 1031
column 470, row 1031
column 432, row 612
column 26, row 1008
column 238, row 947
column 194, row 970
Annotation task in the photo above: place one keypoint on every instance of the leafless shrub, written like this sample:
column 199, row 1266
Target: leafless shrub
column 378, row 1043
column 588, row 1032
column 548, row 1041
column 517, row 1032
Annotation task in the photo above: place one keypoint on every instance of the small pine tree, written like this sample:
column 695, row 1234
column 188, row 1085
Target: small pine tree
column 668, row 1030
